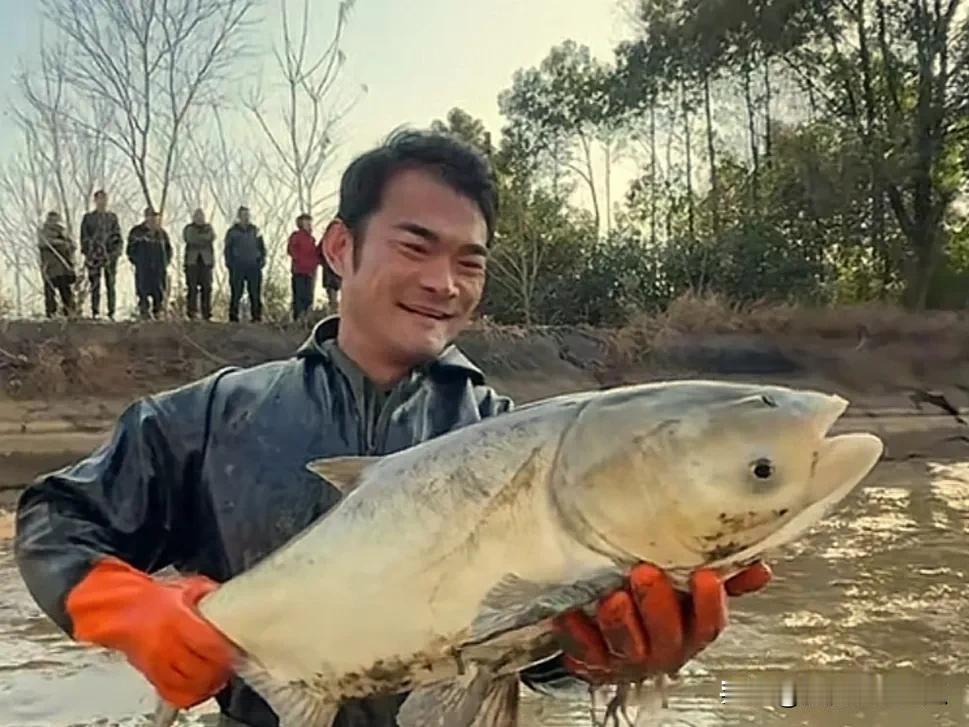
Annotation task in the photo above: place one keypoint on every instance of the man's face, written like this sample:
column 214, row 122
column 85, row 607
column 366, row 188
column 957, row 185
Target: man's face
column 244, row 217
column 101, row 202
column 306, row 225
column 421, row 269
column 198, row 217
column 152, row 220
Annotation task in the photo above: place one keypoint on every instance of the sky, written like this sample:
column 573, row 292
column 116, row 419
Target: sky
column 418, row 58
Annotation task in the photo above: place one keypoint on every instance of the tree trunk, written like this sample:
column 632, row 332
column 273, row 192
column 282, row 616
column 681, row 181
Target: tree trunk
column 712, row 154
column 590, row 181
column 688, row 138
column 752, row 133
column 669, row 173
column 652, row 172
column 768, row 144
column 873, row 146
column 607, row 147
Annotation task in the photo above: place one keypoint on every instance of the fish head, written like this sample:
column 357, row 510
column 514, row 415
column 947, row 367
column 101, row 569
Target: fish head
column 691, row 474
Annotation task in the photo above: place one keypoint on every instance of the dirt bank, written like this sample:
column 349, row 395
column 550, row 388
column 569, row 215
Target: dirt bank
column 907, row 376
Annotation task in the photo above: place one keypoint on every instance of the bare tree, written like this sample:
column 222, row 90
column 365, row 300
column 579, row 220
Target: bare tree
column 25, row 194
column 152, row 63
column 302, row 139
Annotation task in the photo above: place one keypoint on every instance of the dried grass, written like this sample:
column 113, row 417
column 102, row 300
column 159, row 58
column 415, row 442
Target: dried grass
column 58, row 367
column 711, row 314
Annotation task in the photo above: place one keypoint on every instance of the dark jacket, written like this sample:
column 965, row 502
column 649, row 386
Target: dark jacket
column 210, row 478
column 150, row 251
column 56, row 251
column 244, row 247
column 198, row 244
column 100, row 238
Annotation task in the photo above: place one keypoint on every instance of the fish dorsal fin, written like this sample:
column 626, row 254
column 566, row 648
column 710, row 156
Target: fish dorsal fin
column 294, row 706
column 474, row 700
column 514, row 602
column 344, row 473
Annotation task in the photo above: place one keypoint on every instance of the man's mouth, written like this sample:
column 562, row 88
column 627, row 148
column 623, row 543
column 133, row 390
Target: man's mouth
column 427, row 312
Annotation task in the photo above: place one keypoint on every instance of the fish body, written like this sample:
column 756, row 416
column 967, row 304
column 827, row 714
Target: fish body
column 439, row 570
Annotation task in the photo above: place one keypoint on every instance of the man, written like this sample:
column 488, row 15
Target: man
column 101, row 245
column 150, row 251
column 56, row 265
column 199, row 259
column 331, row 282
column 245, row 257
column 211, row 477
column 306, row 259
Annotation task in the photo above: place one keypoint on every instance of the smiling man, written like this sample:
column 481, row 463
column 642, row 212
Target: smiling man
column 211, row 477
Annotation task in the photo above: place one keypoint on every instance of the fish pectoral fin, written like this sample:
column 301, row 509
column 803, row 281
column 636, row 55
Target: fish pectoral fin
column 481, row 701
column 344, row 473
column 514, row 602
column 293, row 705
column 500, row 705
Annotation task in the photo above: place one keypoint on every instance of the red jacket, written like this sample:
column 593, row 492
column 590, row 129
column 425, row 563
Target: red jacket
column 306, row 256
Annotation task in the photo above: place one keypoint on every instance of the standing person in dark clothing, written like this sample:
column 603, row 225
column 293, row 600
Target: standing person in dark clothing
column 56, row 265
column 245, row 257
column 211, row 477
column 150, row 252
column 306, row 259
column 199, row 259
column 331, row 282
column 101, row 246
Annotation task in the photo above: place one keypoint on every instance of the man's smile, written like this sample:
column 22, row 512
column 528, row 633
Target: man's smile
column 426, row 312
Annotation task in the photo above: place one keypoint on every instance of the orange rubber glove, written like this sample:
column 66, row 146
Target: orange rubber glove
column 647, row 628
column 156, row 626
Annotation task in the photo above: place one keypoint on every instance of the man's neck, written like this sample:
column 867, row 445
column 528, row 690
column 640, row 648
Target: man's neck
column 383, row 373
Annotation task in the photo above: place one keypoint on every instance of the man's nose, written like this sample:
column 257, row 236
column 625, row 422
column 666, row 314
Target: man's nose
column 438, row 276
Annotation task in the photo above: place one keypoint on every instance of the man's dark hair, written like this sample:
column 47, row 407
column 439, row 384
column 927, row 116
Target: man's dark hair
column 100, row 193
column 302, row 217
column 455, row 163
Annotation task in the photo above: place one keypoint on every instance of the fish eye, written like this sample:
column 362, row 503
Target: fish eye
column 769, row 400
column 763, row 469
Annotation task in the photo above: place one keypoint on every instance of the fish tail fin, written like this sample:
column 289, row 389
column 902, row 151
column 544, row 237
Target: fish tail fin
column 165, row 714
column 481, row 701
column 293, row 704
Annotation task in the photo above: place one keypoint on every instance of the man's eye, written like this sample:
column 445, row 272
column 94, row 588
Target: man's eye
column 473, row 265
column 415, row 247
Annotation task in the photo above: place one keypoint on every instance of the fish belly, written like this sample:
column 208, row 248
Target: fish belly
column 377, row 595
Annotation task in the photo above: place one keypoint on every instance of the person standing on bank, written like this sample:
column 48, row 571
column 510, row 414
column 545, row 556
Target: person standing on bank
column 210, row 477
column 199, row 259
column 56, row 265
column 306, row 259
column 150, row 251
column 331, row 282
column 245, row 257
column 101, row 245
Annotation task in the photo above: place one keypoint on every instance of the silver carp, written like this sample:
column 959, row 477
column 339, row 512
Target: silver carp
column 439, row 570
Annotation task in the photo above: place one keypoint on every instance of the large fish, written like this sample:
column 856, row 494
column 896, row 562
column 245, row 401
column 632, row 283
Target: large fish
column 440, row 569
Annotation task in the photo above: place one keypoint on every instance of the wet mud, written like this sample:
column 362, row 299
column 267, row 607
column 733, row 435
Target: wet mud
column 879, row 588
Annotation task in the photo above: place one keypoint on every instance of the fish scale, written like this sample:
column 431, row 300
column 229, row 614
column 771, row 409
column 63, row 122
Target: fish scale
column 440, row 568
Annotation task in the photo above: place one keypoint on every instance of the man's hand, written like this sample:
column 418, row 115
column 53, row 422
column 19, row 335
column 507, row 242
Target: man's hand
column 155, row 624
column 648, row 628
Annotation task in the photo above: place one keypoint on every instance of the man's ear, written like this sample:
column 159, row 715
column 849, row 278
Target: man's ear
column 337, row 245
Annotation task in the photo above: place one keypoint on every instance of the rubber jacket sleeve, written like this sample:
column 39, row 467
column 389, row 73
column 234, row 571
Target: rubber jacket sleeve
column 128, row 499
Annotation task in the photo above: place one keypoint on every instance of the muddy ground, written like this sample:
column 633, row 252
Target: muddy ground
column 907, row 376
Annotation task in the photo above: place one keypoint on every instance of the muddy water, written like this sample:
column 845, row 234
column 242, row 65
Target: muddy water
column 880, row 587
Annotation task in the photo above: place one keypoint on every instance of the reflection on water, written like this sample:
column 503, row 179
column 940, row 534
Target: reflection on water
column 879, row 587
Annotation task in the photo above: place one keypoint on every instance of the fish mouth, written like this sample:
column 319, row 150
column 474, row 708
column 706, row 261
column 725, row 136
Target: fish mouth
column 841, row 463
